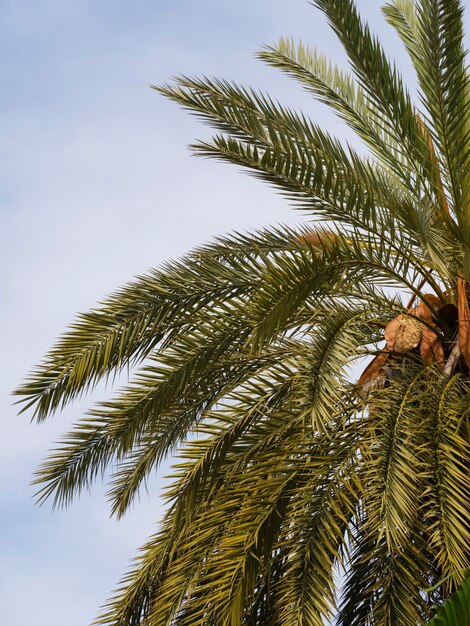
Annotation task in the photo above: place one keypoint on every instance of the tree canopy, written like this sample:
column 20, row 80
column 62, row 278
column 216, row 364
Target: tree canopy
column 299, row 492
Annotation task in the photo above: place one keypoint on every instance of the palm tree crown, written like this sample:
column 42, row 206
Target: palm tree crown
column 289, row 473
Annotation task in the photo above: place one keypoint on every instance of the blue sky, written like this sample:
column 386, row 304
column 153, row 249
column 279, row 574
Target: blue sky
column 96, row 185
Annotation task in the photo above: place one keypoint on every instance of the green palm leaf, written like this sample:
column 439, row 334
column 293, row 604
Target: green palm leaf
column 456, row 610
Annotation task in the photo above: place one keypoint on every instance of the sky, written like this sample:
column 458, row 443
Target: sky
column 96, row 186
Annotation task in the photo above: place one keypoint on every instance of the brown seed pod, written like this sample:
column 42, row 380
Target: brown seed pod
column 390, row 334
column 408, row 333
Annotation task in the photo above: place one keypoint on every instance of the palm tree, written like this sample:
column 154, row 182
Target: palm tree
column 294, row 484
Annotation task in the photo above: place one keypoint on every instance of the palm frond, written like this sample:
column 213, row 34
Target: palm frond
column 442, row 73
column 266, row 128
column 143, row 315
column 340, row 91
column 447, row 516
column 313, row 542
column 432, row 32
column 377, row 77
column 389, row 555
